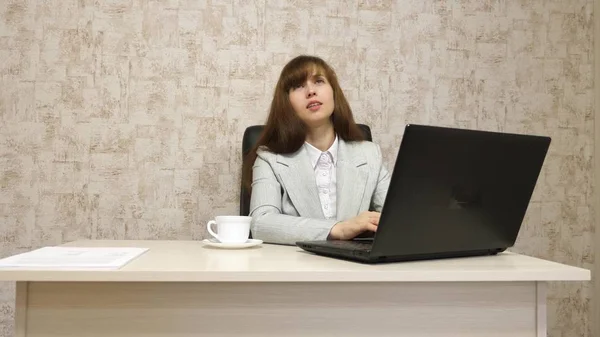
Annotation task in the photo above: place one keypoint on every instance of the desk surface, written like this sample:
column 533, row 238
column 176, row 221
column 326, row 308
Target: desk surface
column 192, row 261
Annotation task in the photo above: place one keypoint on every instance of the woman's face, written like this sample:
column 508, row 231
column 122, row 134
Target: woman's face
column 313, row 100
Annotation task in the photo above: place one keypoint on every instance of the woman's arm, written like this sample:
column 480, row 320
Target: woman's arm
column 383, row 184
column 268, row 222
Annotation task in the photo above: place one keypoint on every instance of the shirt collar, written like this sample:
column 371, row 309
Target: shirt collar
column 314, row 154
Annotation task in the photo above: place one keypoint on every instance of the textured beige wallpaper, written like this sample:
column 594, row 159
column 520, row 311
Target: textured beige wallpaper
column 122, row 119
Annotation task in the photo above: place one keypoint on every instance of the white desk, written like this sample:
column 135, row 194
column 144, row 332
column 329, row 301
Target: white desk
column 182, row 288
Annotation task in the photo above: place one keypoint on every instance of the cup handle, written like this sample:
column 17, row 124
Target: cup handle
column 210, row 231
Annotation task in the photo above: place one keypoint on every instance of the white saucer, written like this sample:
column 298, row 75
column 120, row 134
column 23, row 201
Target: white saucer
column 217, row 244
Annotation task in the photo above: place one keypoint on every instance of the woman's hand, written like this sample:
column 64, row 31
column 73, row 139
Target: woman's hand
column 349, row 229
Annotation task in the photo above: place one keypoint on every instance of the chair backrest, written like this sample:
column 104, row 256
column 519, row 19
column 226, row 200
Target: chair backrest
column 250, row 138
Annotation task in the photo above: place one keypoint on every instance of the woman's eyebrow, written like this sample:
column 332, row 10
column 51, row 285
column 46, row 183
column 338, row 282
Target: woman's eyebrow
column 317, row 76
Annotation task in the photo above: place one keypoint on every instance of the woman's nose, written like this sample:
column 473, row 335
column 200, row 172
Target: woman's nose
column 310, row 90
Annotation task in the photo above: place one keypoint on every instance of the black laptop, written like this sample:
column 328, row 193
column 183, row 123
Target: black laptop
column 453, row 193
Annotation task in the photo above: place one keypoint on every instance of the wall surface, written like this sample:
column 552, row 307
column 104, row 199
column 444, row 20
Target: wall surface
column 123, row 119
column 595, row 314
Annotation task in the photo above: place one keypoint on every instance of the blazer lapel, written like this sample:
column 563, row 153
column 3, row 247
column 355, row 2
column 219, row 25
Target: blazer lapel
column 352, row 176
column 298, row 178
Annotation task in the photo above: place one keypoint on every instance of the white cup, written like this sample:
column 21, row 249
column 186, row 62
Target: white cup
column 230, row 228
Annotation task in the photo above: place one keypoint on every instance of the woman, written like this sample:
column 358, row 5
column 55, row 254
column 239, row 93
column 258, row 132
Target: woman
column 313, row 176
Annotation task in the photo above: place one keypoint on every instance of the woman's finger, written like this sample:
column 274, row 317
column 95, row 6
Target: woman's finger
column 371, row 227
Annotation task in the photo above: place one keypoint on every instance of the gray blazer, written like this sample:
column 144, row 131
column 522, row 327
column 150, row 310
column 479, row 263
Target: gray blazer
column 285, row 205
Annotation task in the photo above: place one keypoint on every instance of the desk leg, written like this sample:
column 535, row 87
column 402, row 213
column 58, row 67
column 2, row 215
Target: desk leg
column 541, row 312
column 21, row 309
column 121, row 309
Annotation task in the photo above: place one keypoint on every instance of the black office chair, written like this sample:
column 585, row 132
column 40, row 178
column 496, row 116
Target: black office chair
column 251, row 136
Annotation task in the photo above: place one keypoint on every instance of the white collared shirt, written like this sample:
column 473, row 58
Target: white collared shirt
column 324, row 164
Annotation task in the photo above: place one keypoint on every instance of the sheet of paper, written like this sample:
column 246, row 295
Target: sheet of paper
column 88, row 258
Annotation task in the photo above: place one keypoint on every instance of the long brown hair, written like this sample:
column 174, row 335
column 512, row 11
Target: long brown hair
column 284, row 131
